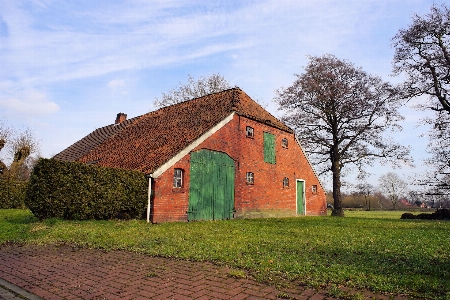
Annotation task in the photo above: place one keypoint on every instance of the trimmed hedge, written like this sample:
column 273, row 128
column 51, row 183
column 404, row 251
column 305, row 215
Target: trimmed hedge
column 12, row 193
column 77, row 191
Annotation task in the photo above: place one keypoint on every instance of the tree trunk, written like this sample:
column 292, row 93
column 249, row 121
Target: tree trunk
column 336, row 169
column 394, row 201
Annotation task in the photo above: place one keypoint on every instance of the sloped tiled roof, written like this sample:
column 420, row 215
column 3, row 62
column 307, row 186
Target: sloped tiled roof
column 95, row 138
column 154, row 138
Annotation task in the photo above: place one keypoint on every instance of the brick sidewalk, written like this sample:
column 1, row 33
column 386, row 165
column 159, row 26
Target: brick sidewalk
column 66, row 272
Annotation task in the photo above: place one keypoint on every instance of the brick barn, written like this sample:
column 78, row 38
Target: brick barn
column 221, row 156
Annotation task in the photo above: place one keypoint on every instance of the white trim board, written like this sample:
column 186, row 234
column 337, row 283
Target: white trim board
column 309, row 162
column 304, row 197
column 168, row 164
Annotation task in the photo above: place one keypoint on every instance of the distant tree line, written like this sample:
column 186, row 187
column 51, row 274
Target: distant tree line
column 391, row 193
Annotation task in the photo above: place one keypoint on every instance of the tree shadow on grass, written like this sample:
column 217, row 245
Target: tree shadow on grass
column 415, row 273
column 19, row 219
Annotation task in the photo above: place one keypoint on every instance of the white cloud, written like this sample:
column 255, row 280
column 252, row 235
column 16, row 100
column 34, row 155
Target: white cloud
column 116, row 83
column 29, row 102
column 53, row 46
column 91, row 42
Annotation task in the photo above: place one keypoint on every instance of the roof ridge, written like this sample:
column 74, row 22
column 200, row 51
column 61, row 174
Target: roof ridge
column 242, row 110
column 190, row 100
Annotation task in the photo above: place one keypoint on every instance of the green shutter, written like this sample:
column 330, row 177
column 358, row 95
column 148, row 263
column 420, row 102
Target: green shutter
column 269, row 148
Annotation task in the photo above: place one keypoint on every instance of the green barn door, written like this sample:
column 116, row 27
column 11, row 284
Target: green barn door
column 300, row 197
column 211, row 193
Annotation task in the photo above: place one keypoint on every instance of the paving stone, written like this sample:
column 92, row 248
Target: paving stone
column 65, row 272
column 199, row 294
column 239, row 296
column 318, row 296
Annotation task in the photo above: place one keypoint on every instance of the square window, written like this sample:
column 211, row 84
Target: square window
column 249, row 131
column 284, row 143
column 250, row 178
column 178, row 178
column 285, row 182
column 314, row 189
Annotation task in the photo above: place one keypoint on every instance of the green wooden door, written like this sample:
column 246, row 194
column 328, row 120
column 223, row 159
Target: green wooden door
column 300, row 198
column 211, row 192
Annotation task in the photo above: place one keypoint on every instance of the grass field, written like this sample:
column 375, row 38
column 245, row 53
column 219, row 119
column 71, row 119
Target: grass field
column 365, row 250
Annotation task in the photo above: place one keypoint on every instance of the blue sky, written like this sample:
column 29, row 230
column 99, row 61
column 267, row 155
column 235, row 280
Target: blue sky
column 68, row 67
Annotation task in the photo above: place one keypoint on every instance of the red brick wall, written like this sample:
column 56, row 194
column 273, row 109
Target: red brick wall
column 266, row 197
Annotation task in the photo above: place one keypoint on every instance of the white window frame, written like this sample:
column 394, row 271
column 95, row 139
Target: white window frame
column 249, row 131
column 177, row 178
column 250, row 178
column 303, row 196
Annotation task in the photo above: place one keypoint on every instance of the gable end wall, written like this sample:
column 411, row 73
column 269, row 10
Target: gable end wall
column 266, row 197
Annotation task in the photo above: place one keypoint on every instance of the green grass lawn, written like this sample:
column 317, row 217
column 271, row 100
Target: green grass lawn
column 365, row 250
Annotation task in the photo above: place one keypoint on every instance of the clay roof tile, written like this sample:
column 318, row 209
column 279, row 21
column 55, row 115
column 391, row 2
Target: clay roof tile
column 150, row 140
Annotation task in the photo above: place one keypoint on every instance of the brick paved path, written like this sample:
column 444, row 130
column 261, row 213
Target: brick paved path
column 66, row 272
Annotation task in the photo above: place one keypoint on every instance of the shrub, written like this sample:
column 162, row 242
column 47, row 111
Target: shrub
column 12, row 193
column 439, row 214
column 77, row 191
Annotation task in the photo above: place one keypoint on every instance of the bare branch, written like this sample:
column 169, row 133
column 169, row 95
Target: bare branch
column 24, row 142
column 193, row 89
column 5, row 133
column 393, row 187
column 340, row 114
column 421, row 53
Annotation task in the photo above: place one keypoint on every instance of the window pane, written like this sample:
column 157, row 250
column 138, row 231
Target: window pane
column 250, row 177
column 249, row 131
column 178, row 178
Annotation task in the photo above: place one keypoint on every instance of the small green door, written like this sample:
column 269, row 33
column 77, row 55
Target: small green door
column 211, row 192
column 300, row 198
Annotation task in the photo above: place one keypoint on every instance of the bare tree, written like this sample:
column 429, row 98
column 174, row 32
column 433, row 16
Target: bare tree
column 367, row 190
column 22, row 146
column 193, row 89
column 24, row 141
column 416, row 197
column 437, row 177
column 422, row 54
column 5, row 133
column 393, row 187
column 341, row 115
column 438, row 197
